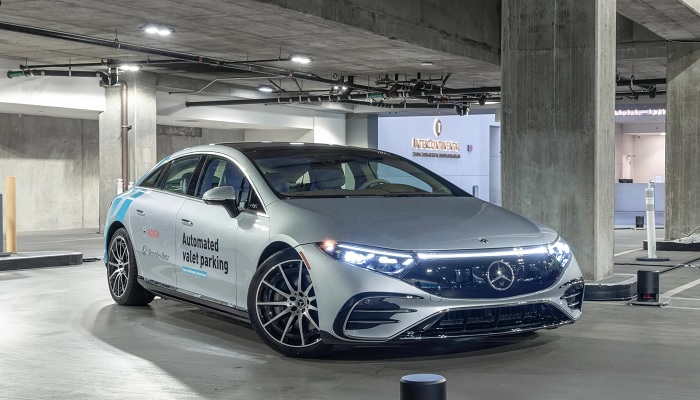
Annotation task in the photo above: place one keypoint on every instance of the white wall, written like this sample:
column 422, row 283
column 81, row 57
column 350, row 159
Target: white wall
column 624, row 153
column 651, row 158
column 328, row 128
column 50, row 96
column 471, row 169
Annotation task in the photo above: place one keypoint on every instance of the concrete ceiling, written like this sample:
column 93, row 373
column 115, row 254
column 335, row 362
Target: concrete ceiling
column 670, row 19
column 240, row 30
column 265, row 29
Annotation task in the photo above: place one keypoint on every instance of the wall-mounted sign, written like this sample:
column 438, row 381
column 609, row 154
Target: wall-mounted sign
column 437, row 127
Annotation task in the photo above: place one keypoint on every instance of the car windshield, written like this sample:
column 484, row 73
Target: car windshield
column 347, row 173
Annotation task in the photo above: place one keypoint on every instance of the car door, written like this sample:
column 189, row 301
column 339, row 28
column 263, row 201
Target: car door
column 152, row 220
column 252, row 236
column 206, row 236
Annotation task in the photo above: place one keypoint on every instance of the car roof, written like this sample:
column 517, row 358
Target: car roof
column 246, row 147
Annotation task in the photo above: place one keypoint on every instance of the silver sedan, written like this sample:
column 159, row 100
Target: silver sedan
column 319, row 245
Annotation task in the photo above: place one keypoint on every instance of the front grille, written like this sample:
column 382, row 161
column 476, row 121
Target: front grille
column 482, row 321
column 478, row 277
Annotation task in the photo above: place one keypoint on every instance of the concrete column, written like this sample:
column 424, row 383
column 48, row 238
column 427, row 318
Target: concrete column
column 682, row 139
column 558, row 69
column 142, row 118
column 109, row 150
column 361, row 130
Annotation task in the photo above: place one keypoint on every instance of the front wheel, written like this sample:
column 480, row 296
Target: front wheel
column 122, row 272
column 283, row 308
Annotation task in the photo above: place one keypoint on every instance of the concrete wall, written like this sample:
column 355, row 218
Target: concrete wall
column 56, row 164
column 170, row 139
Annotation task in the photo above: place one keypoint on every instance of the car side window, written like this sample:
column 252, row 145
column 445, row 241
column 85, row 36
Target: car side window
column 249, row 200
column 152, row 179
column 180, row 175
column 213, row 176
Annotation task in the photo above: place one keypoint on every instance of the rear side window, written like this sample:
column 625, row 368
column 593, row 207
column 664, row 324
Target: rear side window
column 180, row 174
column 152, row 179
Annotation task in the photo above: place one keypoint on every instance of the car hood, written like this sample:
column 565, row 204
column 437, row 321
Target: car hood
column 405, row 223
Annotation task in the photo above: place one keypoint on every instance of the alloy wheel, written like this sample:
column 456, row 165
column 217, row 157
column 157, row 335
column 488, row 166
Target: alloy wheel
column 286, row 305
column 118, row 266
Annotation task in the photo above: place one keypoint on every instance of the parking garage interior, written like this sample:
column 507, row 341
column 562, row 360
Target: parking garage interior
column 566, row 112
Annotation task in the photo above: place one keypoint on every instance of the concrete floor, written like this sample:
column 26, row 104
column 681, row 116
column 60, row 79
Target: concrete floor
column 62, row 337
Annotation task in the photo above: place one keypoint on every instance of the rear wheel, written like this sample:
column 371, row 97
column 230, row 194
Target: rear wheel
column 122, row 272
column 283, row 307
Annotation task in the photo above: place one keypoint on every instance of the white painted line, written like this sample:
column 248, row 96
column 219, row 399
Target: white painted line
column 627, row 252
column 683, row 308
column 681, row 288
column 685, row 298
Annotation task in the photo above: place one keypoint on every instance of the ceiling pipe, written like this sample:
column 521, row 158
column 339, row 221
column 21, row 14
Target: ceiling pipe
column 125, row 133
column 107, row 63
column 345, row 99
column 218, row 62
column 44, row 72
column 640, row 82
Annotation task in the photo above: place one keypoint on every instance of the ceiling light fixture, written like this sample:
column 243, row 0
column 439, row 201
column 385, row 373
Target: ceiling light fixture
column 160, row 30
column 266, row 88
column 130, row 67
column 426, row 63
column 301, row 59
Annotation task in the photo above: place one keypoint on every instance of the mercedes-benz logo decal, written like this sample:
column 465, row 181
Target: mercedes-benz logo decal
column 500, row 275
column 437, row 127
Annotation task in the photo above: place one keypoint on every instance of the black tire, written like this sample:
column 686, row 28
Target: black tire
column 122, row 272
column 290, row 326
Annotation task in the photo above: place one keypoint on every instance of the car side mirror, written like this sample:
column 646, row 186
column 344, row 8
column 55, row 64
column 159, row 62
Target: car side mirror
column 224, row 196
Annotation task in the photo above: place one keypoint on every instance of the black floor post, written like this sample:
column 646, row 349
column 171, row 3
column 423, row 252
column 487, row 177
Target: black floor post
column 423, row 387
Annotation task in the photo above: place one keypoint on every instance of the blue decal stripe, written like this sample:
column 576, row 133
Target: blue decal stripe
column 125, row 205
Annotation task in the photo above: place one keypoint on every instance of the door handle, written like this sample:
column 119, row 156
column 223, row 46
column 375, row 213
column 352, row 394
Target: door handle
column 140, row 213
column 186, row 222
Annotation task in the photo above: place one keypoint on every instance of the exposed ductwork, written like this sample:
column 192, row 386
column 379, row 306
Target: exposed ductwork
column 388, row 91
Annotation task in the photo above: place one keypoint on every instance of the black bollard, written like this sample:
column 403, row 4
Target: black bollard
column 423, row 387
column 648, row 286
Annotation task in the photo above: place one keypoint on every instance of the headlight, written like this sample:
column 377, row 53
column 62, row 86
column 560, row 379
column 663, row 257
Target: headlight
column 384, row 261
column 560, row 251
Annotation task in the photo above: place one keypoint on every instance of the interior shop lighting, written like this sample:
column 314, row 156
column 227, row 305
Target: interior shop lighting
column 266, row 88
column 653, row 111
column 301, row 59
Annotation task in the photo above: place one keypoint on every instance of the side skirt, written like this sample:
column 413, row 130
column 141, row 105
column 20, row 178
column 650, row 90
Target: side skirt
column 172, row 293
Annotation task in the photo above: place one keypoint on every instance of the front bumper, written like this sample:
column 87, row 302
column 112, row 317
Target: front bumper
column 357, row 305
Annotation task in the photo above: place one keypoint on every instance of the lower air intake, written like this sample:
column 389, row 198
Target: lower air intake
column 486, row 321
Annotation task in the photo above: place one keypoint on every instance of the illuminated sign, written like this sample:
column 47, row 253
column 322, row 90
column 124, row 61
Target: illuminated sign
column 420, row 145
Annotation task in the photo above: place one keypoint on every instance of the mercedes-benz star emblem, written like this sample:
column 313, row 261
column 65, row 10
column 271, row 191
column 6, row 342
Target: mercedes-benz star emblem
column 437, row 127
column 500, row 275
